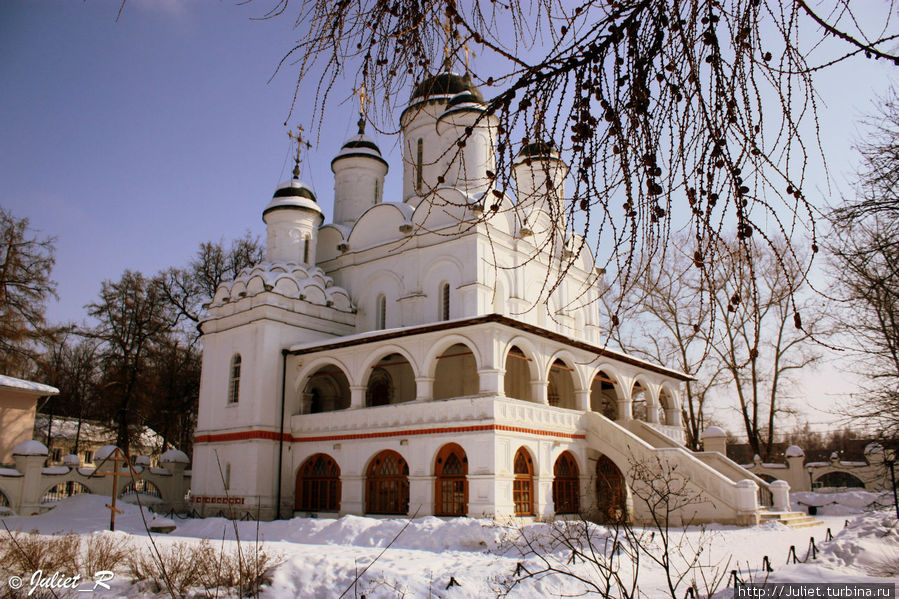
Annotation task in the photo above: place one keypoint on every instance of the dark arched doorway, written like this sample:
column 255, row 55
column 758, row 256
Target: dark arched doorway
column 318, row 485
column 566, row 481
column 387, row 484
column 611, row 494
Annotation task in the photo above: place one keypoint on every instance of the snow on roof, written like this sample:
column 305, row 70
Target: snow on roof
column 30, row 448
column 794, row 451
column 9, row 382
column 175, row 456
column 713, row 432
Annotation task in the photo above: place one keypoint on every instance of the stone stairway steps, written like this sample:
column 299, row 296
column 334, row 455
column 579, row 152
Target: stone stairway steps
column 791, row 519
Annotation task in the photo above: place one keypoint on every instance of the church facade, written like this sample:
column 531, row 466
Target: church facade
column 402, row 360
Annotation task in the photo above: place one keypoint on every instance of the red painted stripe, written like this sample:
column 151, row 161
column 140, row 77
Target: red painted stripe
column 288, row 438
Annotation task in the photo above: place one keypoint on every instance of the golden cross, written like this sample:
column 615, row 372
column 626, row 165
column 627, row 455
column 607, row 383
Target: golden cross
column 362, row 98
column 298, row 137
column 448, row 30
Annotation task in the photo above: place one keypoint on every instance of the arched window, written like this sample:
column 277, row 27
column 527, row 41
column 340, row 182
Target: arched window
column 387, row 484
column 451, row 492
column 419, row 165
column 523, row 486
column 318, row 485
column 610, row 492
column 565, row 485
column 445, row 301
column 306, row 250
column 381, row 312
column 234, row 381
column 227, row 476
column 377, row 191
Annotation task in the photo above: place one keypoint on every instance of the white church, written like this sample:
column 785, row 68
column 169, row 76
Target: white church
column 400, row 360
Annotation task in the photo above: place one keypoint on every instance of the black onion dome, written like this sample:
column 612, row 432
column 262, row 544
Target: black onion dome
column 294, row 191
column 465, row 97
column 359, row 145
column 446, row 84
column 539, row 149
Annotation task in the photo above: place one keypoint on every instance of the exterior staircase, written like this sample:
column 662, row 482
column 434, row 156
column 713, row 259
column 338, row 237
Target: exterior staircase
column 791, row 519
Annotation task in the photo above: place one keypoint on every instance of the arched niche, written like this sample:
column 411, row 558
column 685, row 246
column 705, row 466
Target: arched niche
column 640, row 402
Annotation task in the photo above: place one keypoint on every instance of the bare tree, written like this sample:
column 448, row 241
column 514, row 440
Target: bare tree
column 758, row 335
column 25, row 286
column 865, row 266
column 661, row 318
column 188, row 289
column 673, row 114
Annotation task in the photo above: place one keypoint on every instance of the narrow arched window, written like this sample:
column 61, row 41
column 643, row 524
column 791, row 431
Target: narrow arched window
column 227, row 476
column 381, row 312
column 377, row 191
column 234, row 381
column 419, row 165
column 445, row 301
column 523, row 485
column 306, row 251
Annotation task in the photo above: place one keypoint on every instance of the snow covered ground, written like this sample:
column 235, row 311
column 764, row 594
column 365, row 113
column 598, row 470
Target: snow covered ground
column 433, row 557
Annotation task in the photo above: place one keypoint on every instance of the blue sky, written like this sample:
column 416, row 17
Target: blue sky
column 133, row 141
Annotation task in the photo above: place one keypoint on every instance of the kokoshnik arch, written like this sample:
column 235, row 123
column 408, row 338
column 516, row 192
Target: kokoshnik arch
column 395, row 361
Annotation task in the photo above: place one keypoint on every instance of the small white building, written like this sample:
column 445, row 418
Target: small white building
column 402, row 359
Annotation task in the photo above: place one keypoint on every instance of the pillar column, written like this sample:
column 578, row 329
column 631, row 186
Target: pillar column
column 357, row 396
column 424, row 388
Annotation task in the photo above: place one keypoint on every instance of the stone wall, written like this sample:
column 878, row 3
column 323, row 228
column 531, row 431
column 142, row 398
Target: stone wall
column 25, row 487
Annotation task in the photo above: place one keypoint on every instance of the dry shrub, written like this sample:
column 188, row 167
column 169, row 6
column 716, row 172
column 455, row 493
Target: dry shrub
column 22, row 553
column 105, row 551
column 187, row 566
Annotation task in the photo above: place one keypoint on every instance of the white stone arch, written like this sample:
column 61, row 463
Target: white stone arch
column 444, row 270
column 530, row 350
column 378, row 354
column 294, row 400
column 310, row 367
column 429, row 364
column 559, row 381
column 579, row 457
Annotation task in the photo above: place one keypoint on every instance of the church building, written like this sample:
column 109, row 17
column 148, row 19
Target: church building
column 407, row 358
